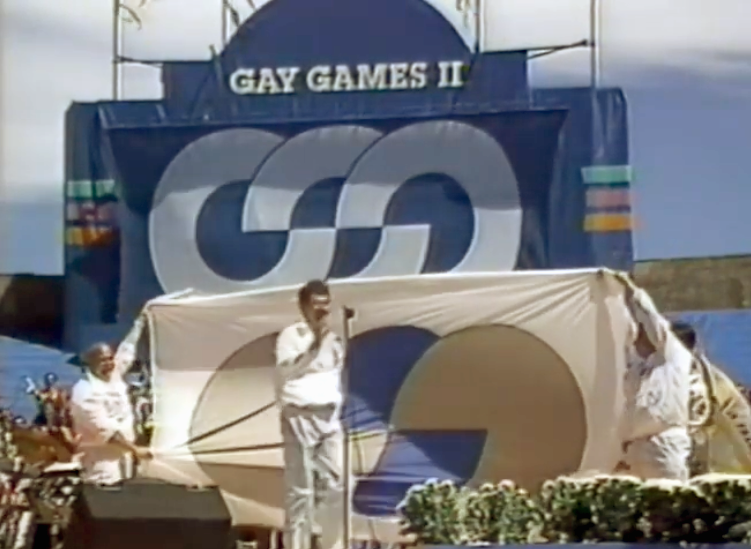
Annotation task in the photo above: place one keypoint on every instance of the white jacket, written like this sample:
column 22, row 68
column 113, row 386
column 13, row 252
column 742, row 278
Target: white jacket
column 99, row 409
column 657, row 388
column 304, row 378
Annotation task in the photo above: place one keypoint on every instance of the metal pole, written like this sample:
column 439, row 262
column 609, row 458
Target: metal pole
column 594, row 75
column 478, row 25
column 225, row 26
column 349, row 315
column 117, row 44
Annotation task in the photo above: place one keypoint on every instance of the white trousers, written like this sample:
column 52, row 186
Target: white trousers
column 313, row 454
column 664, row 455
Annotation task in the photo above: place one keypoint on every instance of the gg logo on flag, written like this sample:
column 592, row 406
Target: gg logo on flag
column 485, row 403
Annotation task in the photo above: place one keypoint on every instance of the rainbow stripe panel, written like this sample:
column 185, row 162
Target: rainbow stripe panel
column 90, row 213
column 608, row 198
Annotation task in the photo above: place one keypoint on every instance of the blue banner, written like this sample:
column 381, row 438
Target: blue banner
column 726, row 338
column 307, row 74
column 219, row 210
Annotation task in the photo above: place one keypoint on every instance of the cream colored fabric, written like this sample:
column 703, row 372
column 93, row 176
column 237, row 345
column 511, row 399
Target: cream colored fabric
column 535, row 360
column 729, row 428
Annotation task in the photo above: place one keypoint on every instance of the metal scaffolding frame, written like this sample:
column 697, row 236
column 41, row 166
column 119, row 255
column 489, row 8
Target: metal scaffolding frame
column 230, row 19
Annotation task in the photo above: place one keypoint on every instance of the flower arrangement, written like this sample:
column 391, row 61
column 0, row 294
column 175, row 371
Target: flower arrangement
column 500, row 514
column 434, row 513
column 599, row 509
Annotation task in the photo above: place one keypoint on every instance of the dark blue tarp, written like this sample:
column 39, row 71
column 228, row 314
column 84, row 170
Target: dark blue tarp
column 303, row 203
column 109, row 260
column 569, row 202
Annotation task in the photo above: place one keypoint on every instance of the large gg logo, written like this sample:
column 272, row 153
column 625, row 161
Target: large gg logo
column 482, row 404
column 373, row 230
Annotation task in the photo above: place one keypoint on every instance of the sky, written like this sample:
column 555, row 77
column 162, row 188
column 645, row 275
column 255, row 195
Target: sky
column 685, row 67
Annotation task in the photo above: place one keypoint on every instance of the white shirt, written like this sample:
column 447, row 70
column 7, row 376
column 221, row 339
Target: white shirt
column 99, row 409
column 305, row 378
column 657, row 388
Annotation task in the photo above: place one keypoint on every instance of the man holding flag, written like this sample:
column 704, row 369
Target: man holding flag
column 656, row 439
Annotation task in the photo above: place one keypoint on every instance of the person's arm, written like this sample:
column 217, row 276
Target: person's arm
column 125, row 355
column 644, row 312
column 121, row 442
column 89, row 414
column 291, row 361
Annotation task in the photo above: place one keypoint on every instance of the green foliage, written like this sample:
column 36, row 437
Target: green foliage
column 600, row 509
column 434, row 513
column 571, row 510
column 500, row 514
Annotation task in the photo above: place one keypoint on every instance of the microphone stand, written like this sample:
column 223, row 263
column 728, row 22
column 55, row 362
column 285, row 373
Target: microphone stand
column 348, row 316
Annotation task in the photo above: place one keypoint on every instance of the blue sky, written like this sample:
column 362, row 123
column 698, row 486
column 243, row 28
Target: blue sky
column 685, row 66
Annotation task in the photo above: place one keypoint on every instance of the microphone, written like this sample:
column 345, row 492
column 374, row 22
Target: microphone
column 349, row 313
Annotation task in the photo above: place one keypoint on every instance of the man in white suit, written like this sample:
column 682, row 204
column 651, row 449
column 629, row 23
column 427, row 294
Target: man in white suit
column 309, row 362
column 656, row 439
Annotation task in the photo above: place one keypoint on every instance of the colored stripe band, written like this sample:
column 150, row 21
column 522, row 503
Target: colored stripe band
column 607, row 175
column 89, row 211
column 105, row 187
column 88, row 236
column 71, row 211
column 79, row 189
column 608, row 198
column 603, row 223
column 83, row 189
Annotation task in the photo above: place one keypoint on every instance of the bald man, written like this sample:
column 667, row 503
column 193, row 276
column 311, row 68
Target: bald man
column 102, row 413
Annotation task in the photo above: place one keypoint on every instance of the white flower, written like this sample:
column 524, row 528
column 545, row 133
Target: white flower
column 664, row 483
column 414, row 489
